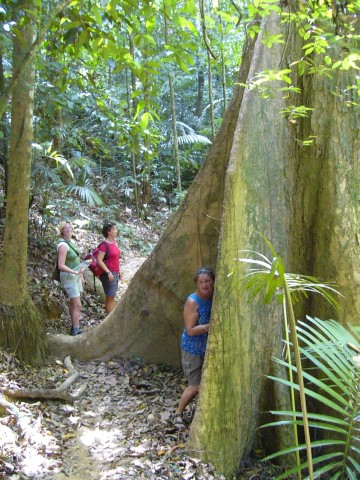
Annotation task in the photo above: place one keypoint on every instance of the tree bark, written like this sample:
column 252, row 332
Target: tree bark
column 13, row 269
column 244, row 337
column 21, row 328
column 135, row 155
column 4, row 140
column 172, row 107
column 303, row 199
column 28, row 58
column 200, row 92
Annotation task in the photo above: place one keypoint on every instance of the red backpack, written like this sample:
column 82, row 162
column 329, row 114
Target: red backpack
column 92, row 254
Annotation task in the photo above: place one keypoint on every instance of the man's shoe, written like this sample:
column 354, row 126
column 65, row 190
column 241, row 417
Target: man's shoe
column 75, row 331
column 178, row 421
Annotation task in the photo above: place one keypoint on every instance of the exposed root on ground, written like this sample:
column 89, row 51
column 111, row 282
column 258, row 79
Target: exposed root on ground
column 58, row 393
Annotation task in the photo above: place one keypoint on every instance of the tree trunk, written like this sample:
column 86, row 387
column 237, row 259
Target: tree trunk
column 244, row 337
column 211, row 99
column 303, row 199
column 200, row 92
column 20, row 324
column 135, row 155
column 175, row 137
column 4, row 140
column 223, row 68
column 172, row 107
column 209, row 55
column 28, row 58
column 58, row 120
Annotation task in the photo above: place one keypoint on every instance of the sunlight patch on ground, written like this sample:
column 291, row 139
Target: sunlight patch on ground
column 104, row 445
column 33, row 463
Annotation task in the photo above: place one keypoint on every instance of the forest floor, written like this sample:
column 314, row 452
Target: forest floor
column 119, row 428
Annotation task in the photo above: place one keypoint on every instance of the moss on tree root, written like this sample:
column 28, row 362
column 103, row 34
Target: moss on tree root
column 22, row 331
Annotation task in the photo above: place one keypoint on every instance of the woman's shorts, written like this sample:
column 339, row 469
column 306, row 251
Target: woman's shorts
column 192, row 366
column 72, row 284
column 110, row 288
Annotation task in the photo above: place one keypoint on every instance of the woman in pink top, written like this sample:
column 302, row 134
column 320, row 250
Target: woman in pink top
column 109, row 260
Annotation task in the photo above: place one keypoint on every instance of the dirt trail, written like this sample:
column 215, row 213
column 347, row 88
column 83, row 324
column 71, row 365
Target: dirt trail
column 129, row 266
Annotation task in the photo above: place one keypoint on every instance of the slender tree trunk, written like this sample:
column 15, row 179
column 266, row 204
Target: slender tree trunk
column 173, row 108
column 200, row 92
column 20, row 324
column 146, row 171
column 145, row 183
column 209, row 55
column 223, row 68
column 14, row 262
column 175, row 137
column 58, row 119
column 134, row 156
column 31, row 51
column 211, row 100
column 4, row 138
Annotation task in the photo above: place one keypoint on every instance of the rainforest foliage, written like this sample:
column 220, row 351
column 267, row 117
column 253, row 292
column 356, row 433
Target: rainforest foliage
column 130, row 94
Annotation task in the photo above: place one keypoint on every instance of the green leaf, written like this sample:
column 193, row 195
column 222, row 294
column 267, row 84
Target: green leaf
column 187, row 24
column 351, row 61
column 189, row 7
column 144, row 121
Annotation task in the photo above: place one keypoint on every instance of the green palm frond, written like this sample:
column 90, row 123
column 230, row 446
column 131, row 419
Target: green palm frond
column 187, row 136
column 271, row 275
column 192, row 139
column 332, row 380
column 85, row 192
column 48, row 156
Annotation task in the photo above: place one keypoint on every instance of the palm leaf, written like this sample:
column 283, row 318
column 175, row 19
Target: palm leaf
column 86, row 193
column 46, row 173
column 187, row 136
column 193, row 139
column 336, row 390
column 51, row 158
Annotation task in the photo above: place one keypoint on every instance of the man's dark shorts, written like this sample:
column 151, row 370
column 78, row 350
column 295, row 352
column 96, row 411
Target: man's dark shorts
column 192, row 366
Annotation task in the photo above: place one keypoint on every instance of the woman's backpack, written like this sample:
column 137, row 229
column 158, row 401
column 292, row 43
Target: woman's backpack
column 92, row 255
column 56, row 272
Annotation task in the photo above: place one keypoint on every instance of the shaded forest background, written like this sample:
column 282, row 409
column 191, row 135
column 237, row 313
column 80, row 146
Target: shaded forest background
column 131, row 108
